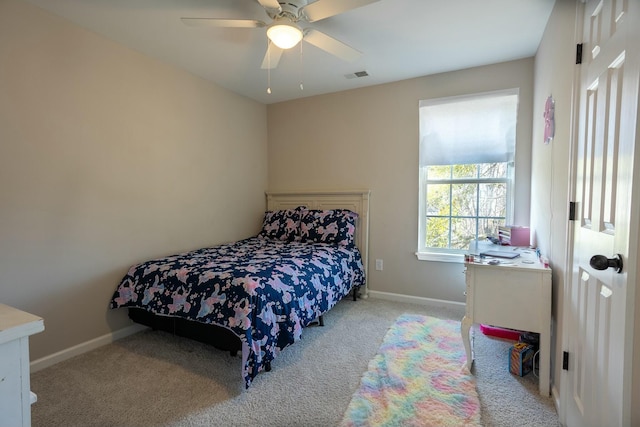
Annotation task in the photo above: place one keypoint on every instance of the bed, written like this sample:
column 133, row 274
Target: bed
column 256, row 295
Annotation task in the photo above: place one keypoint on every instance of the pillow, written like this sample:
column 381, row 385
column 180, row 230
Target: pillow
column 336, row 226
column 281, row 225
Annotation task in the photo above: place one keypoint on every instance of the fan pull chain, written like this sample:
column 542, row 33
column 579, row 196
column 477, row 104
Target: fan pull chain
column 269, row 67
column 301, row 67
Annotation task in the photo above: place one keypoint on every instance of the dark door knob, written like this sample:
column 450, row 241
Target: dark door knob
column 601, row 262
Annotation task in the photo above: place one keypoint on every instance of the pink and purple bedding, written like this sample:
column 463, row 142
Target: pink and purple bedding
column 264, row 290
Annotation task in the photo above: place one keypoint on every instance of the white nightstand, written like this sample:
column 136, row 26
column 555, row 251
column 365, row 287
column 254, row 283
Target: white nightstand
column 514, row 293
column 15, row 395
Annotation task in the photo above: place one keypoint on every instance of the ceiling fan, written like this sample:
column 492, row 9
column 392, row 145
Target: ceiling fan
column 285, row 32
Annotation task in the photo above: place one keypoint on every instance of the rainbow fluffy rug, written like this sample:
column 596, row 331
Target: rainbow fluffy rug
column 418, row 378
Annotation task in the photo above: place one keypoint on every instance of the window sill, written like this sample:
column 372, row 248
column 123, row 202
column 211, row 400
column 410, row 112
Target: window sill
column 440, row 257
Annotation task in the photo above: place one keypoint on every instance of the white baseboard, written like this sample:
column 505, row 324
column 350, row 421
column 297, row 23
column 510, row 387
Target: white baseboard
column 415, row 300
column 84, row 347
column 555, row 395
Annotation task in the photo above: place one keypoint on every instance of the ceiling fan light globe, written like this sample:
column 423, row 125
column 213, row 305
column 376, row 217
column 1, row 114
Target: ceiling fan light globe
column 284, row 35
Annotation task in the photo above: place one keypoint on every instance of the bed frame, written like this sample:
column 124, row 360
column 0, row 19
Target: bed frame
column 222, row 338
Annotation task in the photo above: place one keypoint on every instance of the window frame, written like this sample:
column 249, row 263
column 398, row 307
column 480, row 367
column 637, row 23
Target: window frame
column 457, row 255
column 449, row 254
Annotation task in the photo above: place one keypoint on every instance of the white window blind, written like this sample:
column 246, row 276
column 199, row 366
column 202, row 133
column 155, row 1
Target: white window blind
column 469, row 129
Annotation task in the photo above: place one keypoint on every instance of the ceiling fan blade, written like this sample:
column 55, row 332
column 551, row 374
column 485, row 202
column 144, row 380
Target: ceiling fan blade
column 271, row 62
column 331, row 45
column 322, row 9
column 227, row 23
column 270, row 4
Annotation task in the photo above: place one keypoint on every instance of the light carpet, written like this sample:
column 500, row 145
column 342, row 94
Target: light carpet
column 153, row 379
column 417, row 378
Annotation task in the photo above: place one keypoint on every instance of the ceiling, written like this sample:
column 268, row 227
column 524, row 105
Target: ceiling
column 399, row 39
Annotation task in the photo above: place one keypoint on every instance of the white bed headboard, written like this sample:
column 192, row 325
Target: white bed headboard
column 354, row 200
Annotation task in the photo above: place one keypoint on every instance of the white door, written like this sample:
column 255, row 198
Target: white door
column 597, row 388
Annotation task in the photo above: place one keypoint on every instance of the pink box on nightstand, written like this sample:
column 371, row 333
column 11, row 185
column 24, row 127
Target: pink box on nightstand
column 514, row 235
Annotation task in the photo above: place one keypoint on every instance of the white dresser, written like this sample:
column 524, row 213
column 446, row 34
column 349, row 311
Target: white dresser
column 510, row 293
column 15, row 395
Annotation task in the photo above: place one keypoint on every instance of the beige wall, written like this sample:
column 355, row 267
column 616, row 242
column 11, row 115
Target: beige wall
column 368, row 138
column 108, row 157
column 554, row 73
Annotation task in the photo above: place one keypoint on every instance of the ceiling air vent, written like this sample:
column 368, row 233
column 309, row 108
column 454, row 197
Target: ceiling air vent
column 357, row 74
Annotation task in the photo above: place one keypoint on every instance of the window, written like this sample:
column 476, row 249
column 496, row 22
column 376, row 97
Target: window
column 467, row 147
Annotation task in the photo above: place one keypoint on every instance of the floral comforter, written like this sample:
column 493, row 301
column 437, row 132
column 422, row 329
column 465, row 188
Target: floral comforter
column 265, row 291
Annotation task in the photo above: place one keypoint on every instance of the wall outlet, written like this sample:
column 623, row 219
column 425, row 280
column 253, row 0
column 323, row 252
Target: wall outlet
column 379, row 264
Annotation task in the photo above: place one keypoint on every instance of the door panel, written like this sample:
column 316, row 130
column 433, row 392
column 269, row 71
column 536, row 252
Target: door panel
column 600, row 314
